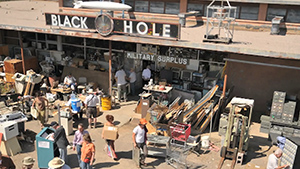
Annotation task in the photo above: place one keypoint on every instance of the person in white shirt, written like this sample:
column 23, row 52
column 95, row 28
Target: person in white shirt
column 132, row 79
column 139, row 137
column 90, row 103
column 146, row 75
column 70, row 81
column 121, row 83
column 273, row 160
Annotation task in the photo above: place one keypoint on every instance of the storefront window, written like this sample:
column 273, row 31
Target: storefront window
column 196, row 7
column 68, row 3
column 141, row 6
column 237, row 12
column 272, row 12
column 157, row 7
column 130, row 3
column 249, row 12
column 293, row 16
column 172, row 8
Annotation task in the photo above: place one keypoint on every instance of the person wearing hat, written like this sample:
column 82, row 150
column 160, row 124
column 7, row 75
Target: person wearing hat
column 28, row 163
column 139, row 137
column 90, row 103
column 70, row 81
column 60, row 139
column 57, row 163
column 6, row 162
column 121, row 82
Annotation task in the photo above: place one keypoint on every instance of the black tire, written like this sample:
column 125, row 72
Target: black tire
column 223, row 152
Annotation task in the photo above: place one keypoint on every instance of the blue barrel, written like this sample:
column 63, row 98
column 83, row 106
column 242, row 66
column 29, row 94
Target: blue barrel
column 76, row 105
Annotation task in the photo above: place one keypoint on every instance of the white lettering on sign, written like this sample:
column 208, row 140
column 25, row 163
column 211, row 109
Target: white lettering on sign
column 73, row 21
column 158, row 58
column 126, row 27
column 138, row 28
column 154, row 28
column 165, row 59
column 83, row 20
column 67, row 22
column 166, row 30
column 54, row 20
column 76, row 22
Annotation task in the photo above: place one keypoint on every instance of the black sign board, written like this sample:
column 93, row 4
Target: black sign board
column 71, row 21
column 143, row 28
column 124, row 26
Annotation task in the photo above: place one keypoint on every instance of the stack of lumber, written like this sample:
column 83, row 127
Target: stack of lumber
column 198, row 115
column 201, row 113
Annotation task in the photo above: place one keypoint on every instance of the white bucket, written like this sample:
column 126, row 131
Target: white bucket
column 205, row 142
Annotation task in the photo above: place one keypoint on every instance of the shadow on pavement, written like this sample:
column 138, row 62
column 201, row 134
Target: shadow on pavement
column 156, row 162
column 105, row 164
column 124, row 154
column 254, row 150
column 72, row 160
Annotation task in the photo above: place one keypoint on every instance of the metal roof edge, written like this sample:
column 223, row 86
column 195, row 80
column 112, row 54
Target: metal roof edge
column 157, row 41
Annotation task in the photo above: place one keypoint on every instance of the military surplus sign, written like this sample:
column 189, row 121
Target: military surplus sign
column 157, row 58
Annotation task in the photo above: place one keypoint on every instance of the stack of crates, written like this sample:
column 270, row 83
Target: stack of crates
column 288, row 112
column 277, row 105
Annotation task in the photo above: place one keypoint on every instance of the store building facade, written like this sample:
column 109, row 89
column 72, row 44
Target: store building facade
column 254, row 70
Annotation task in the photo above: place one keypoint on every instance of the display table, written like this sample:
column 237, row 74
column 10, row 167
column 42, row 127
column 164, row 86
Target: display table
column 159, row 95
column 62, row 93
column 61, row 90
column 155, row 88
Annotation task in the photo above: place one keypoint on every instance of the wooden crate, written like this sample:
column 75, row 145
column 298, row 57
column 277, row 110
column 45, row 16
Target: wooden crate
column 9, row 78
column 13, row 66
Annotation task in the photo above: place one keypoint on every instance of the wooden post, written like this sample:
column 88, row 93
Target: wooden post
column 22, row 54
column 110, row 77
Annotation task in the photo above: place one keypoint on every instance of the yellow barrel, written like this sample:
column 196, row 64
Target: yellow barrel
column 106, row 102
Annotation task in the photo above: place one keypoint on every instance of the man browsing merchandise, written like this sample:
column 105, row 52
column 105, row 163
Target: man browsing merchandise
column 90, row 103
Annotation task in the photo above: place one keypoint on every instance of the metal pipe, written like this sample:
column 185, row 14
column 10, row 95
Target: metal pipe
column 110, row 79
column 261, row 64
column 22, row 53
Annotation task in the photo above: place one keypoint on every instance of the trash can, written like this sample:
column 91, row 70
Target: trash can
column 275, row 25
column 106, row 102
column 46, row 148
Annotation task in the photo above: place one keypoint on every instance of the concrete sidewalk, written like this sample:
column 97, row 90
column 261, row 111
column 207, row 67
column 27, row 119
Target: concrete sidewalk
column 122, row 114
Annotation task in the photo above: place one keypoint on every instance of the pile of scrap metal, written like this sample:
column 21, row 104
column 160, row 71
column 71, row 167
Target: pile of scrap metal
column 162, row 116
column 198, row 115
column 202, row 112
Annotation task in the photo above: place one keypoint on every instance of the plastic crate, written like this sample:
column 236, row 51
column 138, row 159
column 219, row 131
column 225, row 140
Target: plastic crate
column 180, row 131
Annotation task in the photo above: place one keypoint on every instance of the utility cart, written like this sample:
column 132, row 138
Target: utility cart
column 177, row 148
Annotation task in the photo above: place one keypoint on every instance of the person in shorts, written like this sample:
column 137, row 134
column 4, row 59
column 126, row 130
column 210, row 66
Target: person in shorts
column 91, row 109
column 110, row 147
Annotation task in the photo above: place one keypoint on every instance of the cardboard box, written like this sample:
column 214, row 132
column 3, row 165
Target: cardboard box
column 110, row 133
